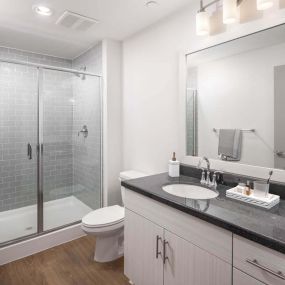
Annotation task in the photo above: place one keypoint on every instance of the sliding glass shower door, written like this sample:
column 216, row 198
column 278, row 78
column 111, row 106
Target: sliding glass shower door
column 18, row 154
column 50, row 149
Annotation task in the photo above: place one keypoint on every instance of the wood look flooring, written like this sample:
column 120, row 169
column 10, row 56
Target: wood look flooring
column 68, row 264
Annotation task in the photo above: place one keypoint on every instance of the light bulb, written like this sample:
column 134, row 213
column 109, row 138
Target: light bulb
column 230, row 11
column 42, row 10
column 264, row 4
column 202, row 23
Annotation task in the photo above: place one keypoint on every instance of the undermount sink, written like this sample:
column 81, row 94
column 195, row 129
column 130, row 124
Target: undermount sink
column 190, row 191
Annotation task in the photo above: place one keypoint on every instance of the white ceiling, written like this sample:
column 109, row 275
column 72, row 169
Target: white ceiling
column 21, row 28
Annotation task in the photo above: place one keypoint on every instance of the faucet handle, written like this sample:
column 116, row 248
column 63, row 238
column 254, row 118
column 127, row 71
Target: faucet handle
column 219, row 176
column 208, row 178
column 203, row 178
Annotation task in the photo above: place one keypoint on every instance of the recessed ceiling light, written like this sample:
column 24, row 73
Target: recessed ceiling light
column 151, row 4
column 42, row 10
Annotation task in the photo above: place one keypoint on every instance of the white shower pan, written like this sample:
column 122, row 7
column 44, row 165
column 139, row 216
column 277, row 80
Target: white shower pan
column 23, row 221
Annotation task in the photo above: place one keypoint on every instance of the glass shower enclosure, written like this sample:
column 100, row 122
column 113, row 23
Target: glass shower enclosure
column 50, row 148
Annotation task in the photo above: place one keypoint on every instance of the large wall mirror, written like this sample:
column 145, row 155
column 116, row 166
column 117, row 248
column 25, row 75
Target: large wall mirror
column 235, row 100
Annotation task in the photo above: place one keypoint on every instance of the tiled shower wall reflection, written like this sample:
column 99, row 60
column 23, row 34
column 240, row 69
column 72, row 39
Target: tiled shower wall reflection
column 63, row 153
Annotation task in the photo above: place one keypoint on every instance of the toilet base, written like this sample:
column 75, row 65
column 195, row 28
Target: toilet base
column 109, row 247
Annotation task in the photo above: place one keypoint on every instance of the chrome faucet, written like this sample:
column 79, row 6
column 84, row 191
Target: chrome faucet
column 207, row 161
column 205, row 180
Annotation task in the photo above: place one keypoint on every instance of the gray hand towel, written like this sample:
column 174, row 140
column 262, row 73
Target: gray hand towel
column 230, row 144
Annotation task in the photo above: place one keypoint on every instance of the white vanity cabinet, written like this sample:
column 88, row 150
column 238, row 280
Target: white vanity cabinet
column 142, row 246
column 188, row 264
column 260, row 262
column 164, row 246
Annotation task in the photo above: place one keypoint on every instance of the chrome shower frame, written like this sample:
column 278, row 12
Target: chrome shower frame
column 40, row 144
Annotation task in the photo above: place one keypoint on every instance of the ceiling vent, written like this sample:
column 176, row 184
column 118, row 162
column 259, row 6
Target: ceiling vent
column 76, row 21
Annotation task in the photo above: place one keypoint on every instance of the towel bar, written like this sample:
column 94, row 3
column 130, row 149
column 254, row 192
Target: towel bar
column 243, row 130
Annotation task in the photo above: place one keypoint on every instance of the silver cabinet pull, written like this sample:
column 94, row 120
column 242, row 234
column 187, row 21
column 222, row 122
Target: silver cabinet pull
column 157, row 252
column 165, row 257
column 278, row 274
column 29, row 151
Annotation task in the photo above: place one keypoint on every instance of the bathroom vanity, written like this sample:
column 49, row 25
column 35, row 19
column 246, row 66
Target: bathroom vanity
column 172, row 240
column 231, row 112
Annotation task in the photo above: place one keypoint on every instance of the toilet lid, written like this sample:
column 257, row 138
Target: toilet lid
column 104, row 217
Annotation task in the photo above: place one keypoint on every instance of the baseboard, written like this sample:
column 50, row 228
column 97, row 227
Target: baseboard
column 34, row 245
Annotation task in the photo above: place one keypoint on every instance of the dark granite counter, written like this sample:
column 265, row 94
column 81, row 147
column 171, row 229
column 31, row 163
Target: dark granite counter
column 266, row 227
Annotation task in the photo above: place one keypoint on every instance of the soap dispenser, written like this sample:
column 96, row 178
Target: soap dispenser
column 173, row 167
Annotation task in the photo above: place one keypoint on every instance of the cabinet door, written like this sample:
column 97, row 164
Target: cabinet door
column 241, row 278
column 187, row 264
column 143, row 247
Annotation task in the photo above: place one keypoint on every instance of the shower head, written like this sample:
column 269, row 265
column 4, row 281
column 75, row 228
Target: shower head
column 82, row 76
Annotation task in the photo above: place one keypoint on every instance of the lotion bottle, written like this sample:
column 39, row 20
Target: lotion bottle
column 173, row 167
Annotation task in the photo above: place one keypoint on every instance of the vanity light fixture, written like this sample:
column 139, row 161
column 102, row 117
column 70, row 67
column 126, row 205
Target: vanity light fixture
column 202, row 23
column 264, row 4
column 42, row 10
column 230, row 13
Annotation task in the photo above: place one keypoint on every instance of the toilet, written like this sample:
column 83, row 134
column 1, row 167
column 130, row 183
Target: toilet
column 107, row 224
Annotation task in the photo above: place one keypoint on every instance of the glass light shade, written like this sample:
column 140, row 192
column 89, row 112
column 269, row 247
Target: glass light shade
column 202, row 23
column 264, row 4
column 230, row 11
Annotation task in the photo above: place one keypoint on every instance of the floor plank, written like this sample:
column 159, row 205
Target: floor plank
column 68, row 264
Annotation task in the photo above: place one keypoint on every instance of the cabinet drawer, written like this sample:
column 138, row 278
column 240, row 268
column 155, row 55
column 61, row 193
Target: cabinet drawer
column 240, row 278
column 211, row 238
column 258, row 261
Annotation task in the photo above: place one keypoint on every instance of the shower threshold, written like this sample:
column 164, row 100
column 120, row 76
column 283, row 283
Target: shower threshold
column 22, row 222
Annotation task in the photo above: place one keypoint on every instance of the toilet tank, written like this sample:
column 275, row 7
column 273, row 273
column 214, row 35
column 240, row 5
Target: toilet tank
column 126, row 175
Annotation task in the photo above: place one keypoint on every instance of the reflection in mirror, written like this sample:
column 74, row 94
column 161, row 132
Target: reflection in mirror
column 235, row 100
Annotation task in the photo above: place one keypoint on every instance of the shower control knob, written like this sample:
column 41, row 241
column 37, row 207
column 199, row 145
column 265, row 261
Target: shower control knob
column 84, row 131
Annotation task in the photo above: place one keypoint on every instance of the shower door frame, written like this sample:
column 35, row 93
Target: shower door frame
column 40, row 146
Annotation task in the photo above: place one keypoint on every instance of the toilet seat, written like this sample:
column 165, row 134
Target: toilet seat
column 104, row 217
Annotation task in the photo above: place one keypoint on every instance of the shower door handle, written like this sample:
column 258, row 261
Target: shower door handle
column 29, row 151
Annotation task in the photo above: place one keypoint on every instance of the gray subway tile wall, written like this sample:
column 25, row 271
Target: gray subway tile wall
column 63, row 153
column 18, row 126
column 87, row 111
column 57, row 97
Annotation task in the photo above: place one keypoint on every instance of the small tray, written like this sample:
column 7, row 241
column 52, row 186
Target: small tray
column 267, row 202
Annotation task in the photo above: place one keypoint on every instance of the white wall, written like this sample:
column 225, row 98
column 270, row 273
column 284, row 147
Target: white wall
column 150, row 94
column 112, row 105
column 151, row 83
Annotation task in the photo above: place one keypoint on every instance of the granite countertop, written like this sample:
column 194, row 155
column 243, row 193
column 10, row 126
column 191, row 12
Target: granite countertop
column 266, row 227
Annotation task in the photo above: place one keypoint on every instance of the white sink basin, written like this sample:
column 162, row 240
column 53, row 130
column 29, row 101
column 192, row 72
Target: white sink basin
column 190, row 191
